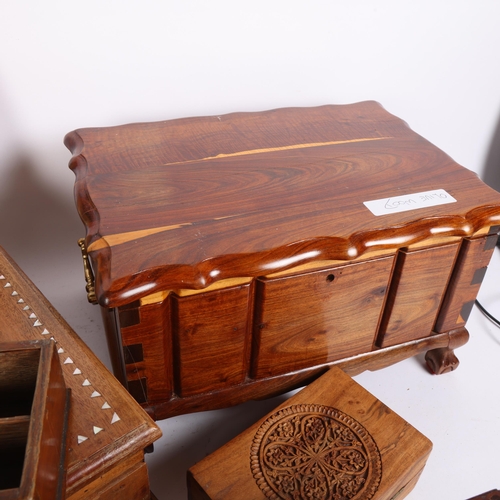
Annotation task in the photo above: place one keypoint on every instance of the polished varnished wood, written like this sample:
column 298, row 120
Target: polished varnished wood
column 234, row 256
column 107, row 430
column 332, row 439
column 419, row 281
column 318, row 328
column 260, row 389
column 33, row 421
column 185, row 203
column 465, row 282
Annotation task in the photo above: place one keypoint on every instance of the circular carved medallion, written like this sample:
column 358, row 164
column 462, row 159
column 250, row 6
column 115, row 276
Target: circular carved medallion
column 315, row 452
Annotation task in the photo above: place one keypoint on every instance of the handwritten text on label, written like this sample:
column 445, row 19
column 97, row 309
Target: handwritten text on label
column 413, row 201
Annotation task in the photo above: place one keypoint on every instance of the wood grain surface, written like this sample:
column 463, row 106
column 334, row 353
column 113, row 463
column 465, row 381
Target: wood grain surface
column 235, row 472
column 33, row 421
column 186, row 203
column 106, row 426
column 235, row 258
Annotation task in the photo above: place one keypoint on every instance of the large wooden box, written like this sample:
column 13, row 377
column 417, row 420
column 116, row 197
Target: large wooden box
column 238, row 256
column 34, row 414
column 331, row 440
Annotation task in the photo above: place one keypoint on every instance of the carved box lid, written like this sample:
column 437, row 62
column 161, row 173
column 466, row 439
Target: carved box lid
column 331, row 440
column 185, row 203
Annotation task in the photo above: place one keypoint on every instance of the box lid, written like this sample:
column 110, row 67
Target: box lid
column 331, row 440
column 185, row 203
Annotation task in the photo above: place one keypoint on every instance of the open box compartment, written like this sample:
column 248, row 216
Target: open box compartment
column 33, row 421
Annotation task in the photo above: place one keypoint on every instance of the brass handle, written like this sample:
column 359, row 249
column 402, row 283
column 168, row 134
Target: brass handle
column 89, row 275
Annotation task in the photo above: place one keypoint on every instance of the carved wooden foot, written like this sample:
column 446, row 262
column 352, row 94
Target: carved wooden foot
column 442, row 360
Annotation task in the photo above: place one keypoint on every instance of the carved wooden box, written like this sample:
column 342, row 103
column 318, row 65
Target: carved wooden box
column 237, row 256
column 33, row 421
column 331, row 440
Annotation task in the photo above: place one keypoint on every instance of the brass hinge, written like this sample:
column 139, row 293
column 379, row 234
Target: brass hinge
column 89, row 275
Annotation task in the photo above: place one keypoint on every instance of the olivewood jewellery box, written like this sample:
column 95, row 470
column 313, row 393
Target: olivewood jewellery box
column 239, row 256
column 332, row 440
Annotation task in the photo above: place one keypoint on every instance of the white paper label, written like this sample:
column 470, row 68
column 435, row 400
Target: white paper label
column 407, row 202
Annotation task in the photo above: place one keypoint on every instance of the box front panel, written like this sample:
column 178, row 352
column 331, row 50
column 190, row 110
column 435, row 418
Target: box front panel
column 147, row 350
column 211, row 343
column 468, row 274
column 416, row 292
column 317, row 317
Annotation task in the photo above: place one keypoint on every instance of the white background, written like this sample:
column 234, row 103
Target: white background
column 436, row 64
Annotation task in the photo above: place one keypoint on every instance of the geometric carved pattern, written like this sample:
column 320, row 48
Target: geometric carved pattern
column 315, row 452
column 31, row 315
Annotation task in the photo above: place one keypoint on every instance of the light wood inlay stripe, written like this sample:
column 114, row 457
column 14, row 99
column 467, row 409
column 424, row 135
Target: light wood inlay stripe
column 281, row 148
column 117, row 239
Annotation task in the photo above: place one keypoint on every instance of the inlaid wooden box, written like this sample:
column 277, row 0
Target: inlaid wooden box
column 238, row 256
column 331, row 440
column 107, row 431
column 34, row 413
